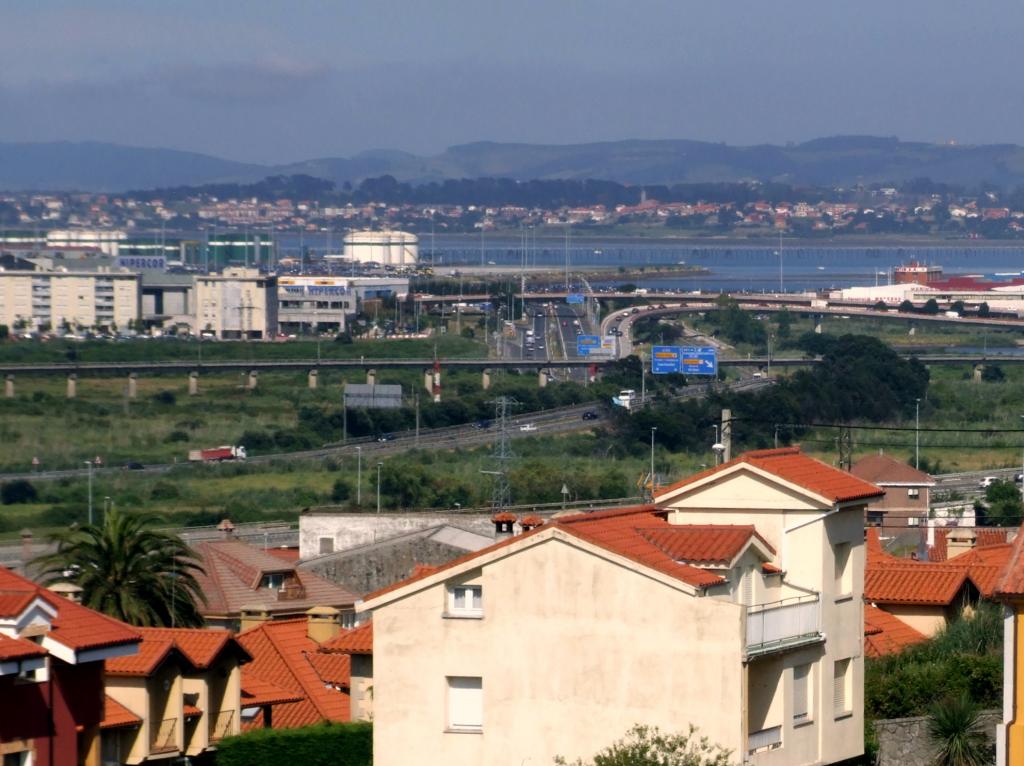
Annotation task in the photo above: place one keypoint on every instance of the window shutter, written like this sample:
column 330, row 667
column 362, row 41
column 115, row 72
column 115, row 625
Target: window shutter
column 801, row 680
column 465, row 702
column 748, row 587
column 839, row 688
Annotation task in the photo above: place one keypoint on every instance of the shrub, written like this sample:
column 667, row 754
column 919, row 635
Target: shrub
column 165, row 397
column 18, row 491
column 176, row 436
column 341, row 491
column 338, row 744
column 954, row 727
column 164, row 490
column 649, row 746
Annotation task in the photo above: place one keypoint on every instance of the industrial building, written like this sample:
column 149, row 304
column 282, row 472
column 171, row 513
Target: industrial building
column 311, row 304
column 237, row 304
column 388, row 248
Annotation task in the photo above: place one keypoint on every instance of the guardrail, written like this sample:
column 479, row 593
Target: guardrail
column 783, row 624
column 164, row 740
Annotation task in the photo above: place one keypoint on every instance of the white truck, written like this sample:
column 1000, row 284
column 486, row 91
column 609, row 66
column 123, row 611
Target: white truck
column 627, row 399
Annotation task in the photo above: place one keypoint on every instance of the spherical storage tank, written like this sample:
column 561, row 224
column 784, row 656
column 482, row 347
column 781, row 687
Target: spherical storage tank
column 389, row 248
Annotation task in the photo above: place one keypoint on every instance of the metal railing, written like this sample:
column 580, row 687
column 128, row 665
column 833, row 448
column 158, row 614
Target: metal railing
column 766, row 739
column 164, row 740
column 222, row 725
column 781, row 624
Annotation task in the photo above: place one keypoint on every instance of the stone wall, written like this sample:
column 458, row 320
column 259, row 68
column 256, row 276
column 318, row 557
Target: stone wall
column 905, row 741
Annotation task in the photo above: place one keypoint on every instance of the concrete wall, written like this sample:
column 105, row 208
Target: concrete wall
column 572, row 648
column 351, row 529
column 905, row 741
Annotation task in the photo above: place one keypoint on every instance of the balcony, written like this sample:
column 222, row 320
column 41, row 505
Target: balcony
column 766, row 739
column 222, row 725
column 783, row 625
column 164, row 739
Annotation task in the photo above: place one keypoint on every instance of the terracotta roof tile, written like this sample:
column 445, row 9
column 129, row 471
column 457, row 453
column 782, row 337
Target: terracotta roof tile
column 882, row 469
column 116, row 715
column 200, row 645
column 12, row 648
column 1011, row 582
column 504, row 517
column 256, row 692
column 885, row 634
column 76, row 627
column 279, row 650
column 191, row 711
column 333, row 669
column 152, row 652
column 14, row 602
column 356, row 641
column 285, row 554
column 703, row 544
column 791, row 465
column 233, row 571
column 771, row 568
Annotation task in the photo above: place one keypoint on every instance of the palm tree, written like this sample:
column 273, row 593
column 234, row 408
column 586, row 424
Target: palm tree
column 957, row 733
column 128, row 570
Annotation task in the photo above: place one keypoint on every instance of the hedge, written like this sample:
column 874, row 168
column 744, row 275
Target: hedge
column 326, row 744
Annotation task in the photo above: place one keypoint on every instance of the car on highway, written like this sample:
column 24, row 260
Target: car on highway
column 386, row 438
column 987, row 482
column 590, row 415
column 133, row 466
column 1019, row 478
column 528, row 427
column 482, row 424
column 624, row 314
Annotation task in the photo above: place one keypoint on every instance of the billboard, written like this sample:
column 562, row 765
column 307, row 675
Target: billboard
column 373, row 396
column 577, row 298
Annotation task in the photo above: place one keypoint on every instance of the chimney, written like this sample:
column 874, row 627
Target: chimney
column 323, row 623
column 252, row 616
column 960, row 540
column 531, row 522
column 504, row 524
column 67, row 590
column 227, row 529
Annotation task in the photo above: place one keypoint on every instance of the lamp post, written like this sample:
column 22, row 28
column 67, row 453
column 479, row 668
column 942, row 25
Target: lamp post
column 88, row 464
column 653, row 429
column 917, row 434
column 359, row 477
column 379, row 465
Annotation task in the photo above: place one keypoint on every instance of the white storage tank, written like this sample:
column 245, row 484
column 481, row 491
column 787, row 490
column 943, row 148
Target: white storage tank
column 388, row 248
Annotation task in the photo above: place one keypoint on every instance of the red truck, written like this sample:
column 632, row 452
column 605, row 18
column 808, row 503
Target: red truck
column 216, row 454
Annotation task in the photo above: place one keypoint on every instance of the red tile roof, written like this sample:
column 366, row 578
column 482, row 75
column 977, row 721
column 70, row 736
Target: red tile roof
column 356, row 641
column 333, row 669
column 279, row 650
column 76, row 627
column 882, row 469
column 885, row 634
column 14, row 602
column 19, row 648
column 1011, row 582
column 116, row 715
column 285, row 554
column 257, row 692
column 233, row 571
column 151, row 655
column 791, row 465
column 200, row 645
column 703, row 544
column 504, row 517
column 191, row 711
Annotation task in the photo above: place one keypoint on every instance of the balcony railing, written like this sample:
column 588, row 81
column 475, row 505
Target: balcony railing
column 766, row 739
column 222, row 725
column 164, row 740
column 783, row 624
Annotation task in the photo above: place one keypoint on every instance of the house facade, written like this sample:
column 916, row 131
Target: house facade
column 734, row 605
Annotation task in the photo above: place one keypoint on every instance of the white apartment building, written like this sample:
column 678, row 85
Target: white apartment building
column 41, row 300
column 238, row 303
column 735, row 605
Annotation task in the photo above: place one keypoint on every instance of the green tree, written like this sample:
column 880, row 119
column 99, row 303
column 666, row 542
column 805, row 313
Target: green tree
column 906, row 307
column 983, row 310
column 128, row 570
column 17, row 491
column 649, row 746
column 931, row 306
column 784, row 321
column 992, row 373
column 1003, row 505
column 5, row 332
column 954, row 727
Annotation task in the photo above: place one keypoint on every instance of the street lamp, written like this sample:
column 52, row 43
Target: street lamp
column 378, row 486
column 718, row 448
column 359, row 477
column 917, row 434
column 653, row 429
column 88, row 464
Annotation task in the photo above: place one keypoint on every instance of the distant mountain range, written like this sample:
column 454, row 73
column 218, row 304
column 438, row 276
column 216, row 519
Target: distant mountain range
column 837, row 161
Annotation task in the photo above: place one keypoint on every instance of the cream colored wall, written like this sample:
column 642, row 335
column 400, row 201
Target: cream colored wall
column 361, row 687
column 213, row 308
column 131, row 692
column 924, row 619
column 72, row 297
column 200, row 737
column 573, row 650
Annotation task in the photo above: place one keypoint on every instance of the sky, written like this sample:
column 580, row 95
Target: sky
column 276, row 82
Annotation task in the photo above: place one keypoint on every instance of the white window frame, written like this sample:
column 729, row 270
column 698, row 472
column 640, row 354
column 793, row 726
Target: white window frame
column 842, row 702
column 803, row 676
column 913, row 493
column 464, row 705
column 465, row 601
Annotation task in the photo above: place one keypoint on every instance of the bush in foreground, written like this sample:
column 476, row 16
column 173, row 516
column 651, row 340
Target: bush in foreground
column 327, row 744
column 649, row 746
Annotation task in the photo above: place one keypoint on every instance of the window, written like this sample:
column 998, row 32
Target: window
column 913, row 493
column 875, row 518
column 465, row 703
column 802, row 693
column 465, row 601
column 348, row 619
column 841, row 688
column 844, row 571
column 326, row 545
column 273, row 581
column 21, row 758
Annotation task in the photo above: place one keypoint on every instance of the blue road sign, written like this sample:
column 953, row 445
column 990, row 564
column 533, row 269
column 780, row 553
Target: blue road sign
column 665, row 360
column 698, row 360
column 575, row 298
column 587, row 343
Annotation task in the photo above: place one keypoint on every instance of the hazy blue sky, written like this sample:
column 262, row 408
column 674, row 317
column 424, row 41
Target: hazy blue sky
column 281, row 81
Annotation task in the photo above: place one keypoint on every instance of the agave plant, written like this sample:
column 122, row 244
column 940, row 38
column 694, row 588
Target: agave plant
column 954, row 727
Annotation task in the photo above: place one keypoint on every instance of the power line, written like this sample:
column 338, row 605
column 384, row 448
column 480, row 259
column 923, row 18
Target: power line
column 911, row 429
